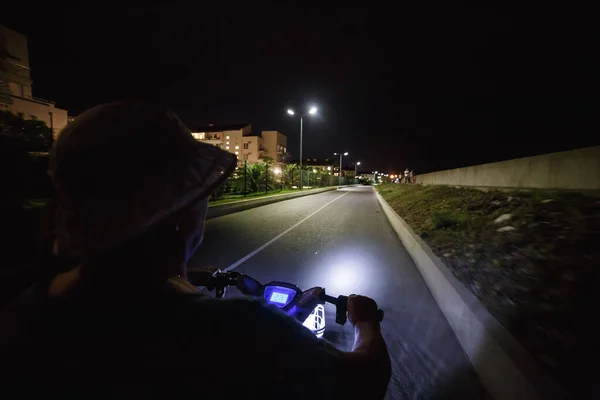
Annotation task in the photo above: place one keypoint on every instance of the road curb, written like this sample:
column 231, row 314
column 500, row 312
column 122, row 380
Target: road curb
column 504, row 367
column 229, row 208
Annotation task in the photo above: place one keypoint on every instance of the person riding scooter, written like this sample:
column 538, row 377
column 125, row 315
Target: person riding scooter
column 132, row 194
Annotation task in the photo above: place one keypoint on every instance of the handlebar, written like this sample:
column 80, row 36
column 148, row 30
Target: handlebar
column 341, row 308
column 220, row 280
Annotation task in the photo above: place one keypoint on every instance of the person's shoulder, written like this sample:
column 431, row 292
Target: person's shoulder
column 191, row 306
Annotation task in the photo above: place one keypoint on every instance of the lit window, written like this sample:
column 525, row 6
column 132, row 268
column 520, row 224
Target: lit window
column 237, row 147
column 198, row 135
column 227, row 143
column 237, row 152
column 227, row 137
column 226, row 147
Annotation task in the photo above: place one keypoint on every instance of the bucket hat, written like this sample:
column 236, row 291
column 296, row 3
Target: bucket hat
column 121, row 168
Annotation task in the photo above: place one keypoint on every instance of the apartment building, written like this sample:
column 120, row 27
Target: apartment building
column 16, row 94
column 238, row 139
column 275, row 146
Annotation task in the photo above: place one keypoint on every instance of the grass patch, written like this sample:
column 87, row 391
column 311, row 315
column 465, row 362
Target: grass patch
column 33, row 204
column 537, row 271
column 237, row 197
column 449, row 219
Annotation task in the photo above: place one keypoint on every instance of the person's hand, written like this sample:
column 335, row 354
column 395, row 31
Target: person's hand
column 202, row 277
column 361, row 309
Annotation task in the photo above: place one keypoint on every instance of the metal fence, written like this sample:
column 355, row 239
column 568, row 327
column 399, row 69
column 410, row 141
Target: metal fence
column 251, row 180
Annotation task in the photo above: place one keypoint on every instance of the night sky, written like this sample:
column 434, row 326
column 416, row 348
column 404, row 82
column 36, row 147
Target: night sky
column 426, row 89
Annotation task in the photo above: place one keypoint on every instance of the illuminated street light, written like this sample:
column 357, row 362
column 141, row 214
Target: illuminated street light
column 341, row 155
column 277, row 171
column 312, row 111
column 355, row 168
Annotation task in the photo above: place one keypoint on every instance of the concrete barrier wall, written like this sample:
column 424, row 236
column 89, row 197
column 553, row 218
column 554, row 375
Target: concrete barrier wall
column 574, row 169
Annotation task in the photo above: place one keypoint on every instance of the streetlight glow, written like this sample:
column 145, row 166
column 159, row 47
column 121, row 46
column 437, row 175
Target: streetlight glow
column 312, row 111
column 356, row 168
column 277, row 171
column 341, row 168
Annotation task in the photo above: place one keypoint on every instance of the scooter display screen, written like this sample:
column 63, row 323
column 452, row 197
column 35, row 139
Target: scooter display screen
column 279, row 296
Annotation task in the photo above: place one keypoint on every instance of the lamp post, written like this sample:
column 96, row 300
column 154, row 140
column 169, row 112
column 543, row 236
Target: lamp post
column 341, row 155
column 312, row 111
column 356, row 168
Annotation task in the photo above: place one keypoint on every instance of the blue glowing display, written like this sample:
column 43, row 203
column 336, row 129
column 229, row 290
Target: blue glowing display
column 280, row 298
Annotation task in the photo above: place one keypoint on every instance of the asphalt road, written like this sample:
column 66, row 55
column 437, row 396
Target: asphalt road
column 342, row 240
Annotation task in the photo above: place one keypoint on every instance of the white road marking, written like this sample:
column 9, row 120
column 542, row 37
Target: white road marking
column 270, row 242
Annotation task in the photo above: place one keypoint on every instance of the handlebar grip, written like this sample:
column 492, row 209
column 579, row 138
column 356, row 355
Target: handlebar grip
column 341, row 308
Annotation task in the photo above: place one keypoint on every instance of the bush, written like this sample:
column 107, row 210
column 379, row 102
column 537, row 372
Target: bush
column 443, row 220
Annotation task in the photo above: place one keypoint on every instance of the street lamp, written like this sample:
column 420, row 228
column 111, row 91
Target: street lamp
column 277, row 171
column 341, row 155
column 355, row 168
column 312, row 111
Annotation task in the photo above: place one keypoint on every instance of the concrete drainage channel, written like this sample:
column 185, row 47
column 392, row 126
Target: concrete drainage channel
column 505, row 368
column 246, row 204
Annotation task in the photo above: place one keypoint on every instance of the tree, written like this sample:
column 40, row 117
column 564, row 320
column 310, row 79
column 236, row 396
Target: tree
column 290, row 175
column 23, row 176
column 252, row 175
column 31, row 134
column 313, row 177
